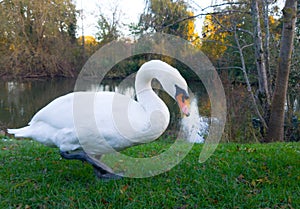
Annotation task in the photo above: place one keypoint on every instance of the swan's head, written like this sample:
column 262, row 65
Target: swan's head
column 183, row 100
column 173, row 83
column 171, row 80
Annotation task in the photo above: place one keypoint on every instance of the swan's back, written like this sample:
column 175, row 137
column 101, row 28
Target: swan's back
column 57, row 113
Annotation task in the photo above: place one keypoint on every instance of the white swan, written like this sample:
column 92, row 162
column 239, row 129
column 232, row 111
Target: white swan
column 82, row 124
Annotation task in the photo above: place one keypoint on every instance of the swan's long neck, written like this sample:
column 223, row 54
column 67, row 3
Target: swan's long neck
column 157, row 110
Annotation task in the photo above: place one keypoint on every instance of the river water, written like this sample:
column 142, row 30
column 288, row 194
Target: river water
column 20, row 100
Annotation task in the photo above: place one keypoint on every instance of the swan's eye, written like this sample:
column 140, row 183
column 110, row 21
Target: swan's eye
column 183, row 101
column 179, row 90
column 185, row 97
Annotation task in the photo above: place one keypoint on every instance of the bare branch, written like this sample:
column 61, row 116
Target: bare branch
column 248, row 45
column 228, row 68
column 244, row 30
column 247, row 79
column 219, row 42
column 223, row 4
column 202, row 14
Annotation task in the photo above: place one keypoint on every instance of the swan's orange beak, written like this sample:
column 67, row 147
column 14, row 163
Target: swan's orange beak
column 184, row 104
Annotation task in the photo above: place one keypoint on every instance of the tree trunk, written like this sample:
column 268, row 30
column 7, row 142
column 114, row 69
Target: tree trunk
column 265, row 9
column 260, row 58
column 276, row 123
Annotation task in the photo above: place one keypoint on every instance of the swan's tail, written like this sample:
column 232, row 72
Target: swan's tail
column 20, row 132
column 44, row 134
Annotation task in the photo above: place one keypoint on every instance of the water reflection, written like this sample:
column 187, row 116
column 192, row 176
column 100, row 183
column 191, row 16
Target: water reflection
column 20, row 100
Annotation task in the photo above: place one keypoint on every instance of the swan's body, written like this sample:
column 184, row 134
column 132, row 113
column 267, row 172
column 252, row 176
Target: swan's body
column 100, row 122
column 54, row 125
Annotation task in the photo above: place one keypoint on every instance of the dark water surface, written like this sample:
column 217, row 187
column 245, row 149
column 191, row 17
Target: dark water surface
column 20, row 100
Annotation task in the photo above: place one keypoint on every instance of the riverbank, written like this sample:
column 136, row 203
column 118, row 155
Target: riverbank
column 235, row 176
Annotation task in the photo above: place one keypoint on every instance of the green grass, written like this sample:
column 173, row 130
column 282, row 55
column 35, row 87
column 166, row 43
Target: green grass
column 235, row 176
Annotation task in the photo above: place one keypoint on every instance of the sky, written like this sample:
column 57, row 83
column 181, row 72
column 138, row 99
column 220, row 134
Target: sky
column 129, row 10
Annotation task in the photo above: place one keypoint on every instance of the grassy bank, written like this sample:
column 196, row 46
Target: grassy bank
column 236, row 176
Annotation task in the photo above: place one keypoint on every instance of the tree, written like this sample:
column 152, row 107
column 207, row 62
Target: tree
column 219, row 41
column 214, row 42
column 167, row 16
column 276, row 124
column 230, row 22
column 90, row 44
column 108, row 27
column 229, row 35
column 37, row 38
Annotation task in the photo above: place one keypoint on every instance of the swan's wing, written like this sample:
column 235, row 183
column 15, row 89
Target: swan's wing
column 122, row 113
column 57, row 113
column 96, row 120
column 120, row 120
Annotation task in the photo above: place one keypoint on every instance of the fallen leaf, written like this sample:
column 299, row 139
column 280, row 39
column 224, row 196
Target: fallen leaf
column 241, row 177
column 124, row 188
column 19, row 206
